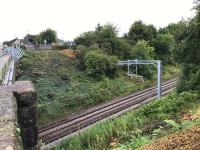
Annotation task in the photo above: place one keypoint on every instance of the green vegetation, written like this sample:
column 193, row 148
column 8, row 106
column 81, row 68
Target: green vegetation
column 178, row 43
column 49, row 35
column 68, row 85
column 141, row 31
column 143, row 42
column 63, row 89
column 188, row 54
column 98, row 64
column 139, row 127
column 142, row 51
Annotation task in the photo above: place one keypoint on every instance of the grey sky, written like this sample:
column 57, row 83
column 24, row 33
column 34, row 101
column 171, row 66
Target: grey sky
column 70, row 18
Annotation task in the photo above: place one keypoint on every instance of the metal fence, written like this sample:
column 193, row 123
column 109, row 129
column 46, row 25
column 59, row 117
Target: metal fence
column 15, row 52
column 39, row 46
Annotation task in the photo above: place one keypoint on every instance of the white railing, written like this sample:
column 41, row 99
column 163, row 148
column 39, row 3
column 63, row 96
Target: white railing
column 16, row 53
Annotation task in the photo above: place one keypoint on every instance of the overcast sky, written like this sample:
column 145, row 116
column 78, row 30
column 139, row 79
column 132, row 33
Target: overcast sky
column 70, row 18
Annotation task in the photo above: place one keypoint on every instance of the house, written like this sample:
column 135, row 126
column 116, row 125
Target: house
column 70, row 44
column 15, row 42
column 29, row 45
column 60, row 42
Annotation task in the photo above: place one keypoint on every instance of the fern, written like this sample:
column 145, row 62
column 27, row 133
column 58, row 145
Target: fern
column 172, row 123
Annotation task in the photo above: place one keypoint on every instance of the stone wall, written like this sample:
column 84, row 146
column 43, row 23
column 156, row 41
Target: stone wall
column 8, row 119
column 4, row 62
column 26, row 97
column 18, row 104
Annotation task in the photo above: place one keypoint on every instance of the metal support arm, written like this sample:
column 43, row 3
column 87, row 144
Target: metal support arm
column 146, row 62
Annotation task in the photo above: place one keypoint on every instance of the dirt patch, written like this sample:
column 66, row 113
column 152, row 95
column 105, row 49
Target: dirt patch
column 191, row 116
column 69, row 53
column 196, row 115
column 185, row 140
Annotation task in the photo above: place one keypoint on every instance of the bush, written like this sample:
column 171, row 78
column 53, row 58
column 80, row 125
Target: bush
column 142, row 51
column 189, row 78
column 164, row 45
column 120, row 48
column 98, row 64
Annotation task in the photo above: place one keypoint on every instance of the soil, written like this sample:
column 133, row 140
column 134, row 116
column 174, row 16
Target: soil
column 69, row 53
column 186, row 140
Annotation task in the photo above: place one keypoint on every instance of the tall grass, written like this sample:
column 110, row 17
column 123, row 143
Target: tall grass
column 132, row 124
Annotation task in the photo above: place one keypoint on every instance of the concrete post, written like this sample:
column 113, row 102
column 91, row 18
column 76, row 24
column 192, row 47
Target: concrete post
column 27, row 113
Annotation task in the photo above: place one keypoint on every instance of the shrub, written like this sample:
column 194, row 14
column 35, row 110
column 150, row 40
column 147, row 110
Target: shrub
column 143, row 51
column 98, row 64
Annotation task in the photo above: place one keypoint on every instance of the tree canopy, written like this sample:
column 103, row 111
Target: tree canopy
column 164, row 46
column 49, row 35
column 141, row 31
column 188, row 54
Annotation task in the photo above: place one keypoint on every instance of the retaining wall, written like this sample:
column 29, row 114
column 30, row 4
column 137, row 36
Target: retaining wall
column 8, row 120
column 4, row 62
column 18, row 107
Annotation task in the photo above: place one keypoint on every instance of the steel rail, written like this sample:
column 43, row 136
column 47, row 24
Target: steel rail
column 51, row 137
column 117, row 100
column 62, row 130
column 119, row 104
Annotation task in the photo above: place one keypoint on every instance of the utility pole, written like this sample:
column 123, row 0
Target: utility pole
column 159, row 78
column 128, row 68
column 146, row 62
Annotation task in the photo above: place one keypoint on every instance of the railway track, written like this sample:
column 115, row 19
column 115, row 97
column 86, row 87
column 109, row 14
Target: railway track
column 54, row 131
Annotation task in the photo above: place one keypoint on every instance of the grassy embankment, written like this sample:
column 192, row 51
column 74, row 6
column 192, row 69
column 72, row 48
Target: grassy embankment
column 63, row 89
column 134, row 129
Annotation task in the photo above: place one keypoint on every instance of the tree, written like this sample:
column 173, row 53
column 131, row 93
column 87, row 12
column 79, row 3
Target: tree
column 175, row 29
column 86, row 39
column 105, row 38
column 100, row 36
column 49, row 35
column 140, row 31
column 188, row 55
column 120, row 47
column 164, row 45
column 32, row 38
column 142, row 51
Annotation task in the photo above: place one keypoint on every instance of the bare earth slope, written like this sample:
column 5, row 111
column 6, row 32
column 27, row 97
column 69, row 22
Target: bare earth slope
column 186, row 140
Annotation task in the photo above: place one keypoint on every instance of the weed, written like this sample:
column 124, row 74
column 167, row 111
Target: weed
column 132, row 125
column 63, row 89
